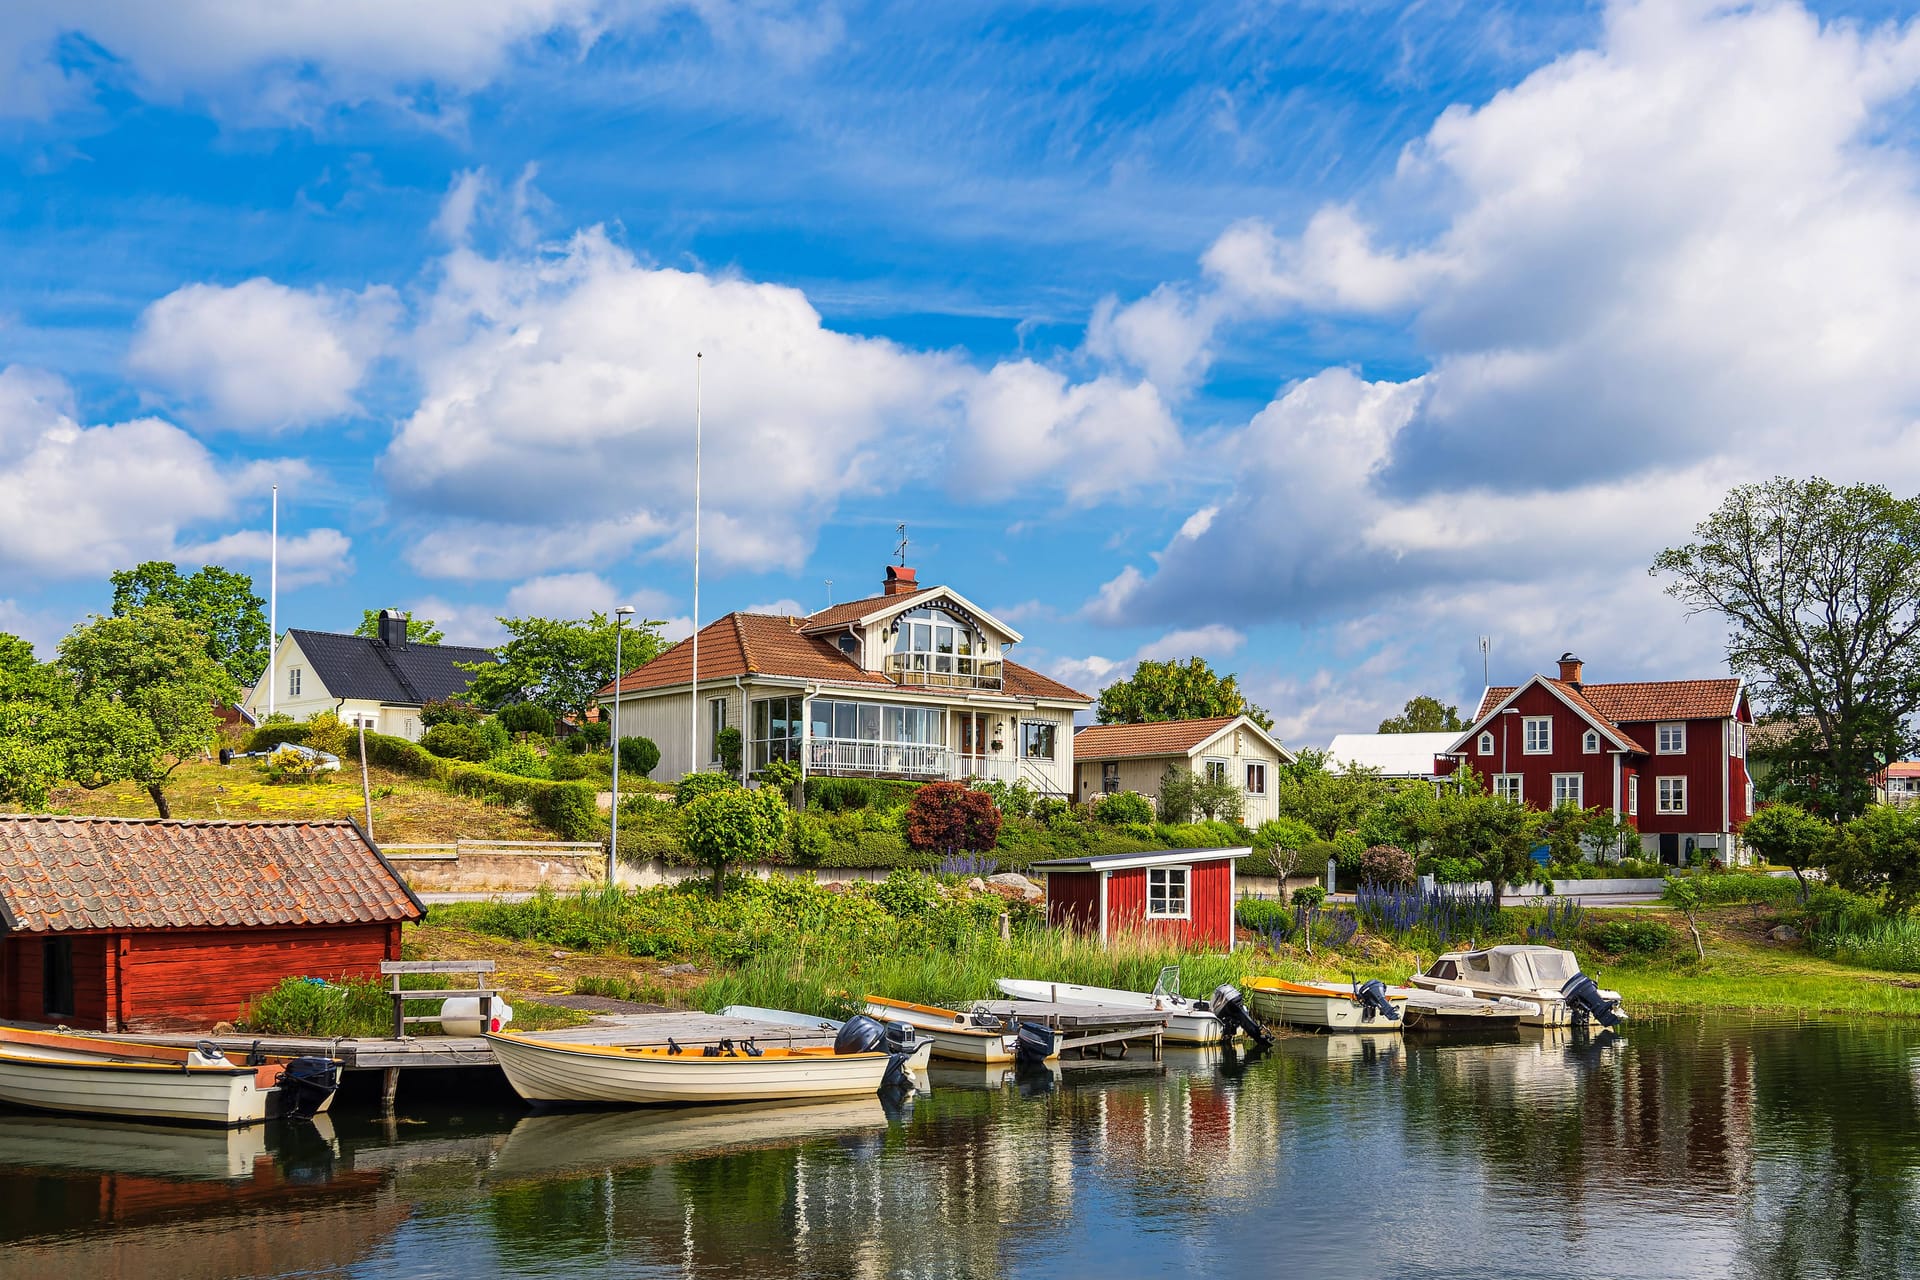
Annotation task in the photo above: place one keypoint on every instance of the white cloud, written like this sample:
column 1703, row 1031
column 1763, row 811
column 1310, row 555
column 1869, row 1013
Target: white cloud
column 1093, row 672
column 563, row 595
column 260, row 356
column 318, row 555
column 1104, row 437
column 785, row 606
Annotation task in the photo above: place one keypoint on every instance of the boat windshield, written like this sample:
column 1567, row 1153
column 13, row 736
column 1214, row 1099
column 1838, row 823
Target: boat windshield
column 1168, row 983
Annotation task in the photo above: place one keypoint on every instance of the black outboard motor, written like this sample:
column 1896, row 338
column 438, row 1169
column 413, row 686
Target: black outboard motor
column 860, row 1034
column 1583, row 998
column 1033, row 1043
column 1232, row 1012
column 901, row 1038
column 901, row 1043
column 309, row 1082
column 1372, row 995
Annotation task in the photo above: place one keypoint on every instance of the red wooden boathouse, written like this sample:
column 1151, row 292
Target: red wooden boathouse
column 1184, row 894
column 116, row 924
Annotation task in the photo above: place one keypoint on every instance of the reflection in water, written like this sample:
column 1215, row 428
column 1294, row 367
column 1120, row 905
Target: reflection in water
column 1693, row 1147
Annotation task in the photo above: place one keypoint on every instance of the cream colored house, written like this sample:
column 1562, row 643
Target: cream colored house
column 1134, row 757
column 913, row 683
column 381, row 682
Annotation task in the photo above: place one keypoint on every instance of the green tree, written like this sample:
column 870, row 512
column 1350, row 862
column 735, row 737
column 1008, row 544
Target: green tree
column 1788, row 836
column 559, row 663
column 145, row 689
column 1328, row 802
column 1494, row 835
column 1170, row 690
column 1219, row 797
column 1423, row 714
column 1177, row 787
column 732, row 826
column 1819, row 585
column 217, row 602
column 419, row 630
column 639, row 756
column 34, row 698
column 1880, row 850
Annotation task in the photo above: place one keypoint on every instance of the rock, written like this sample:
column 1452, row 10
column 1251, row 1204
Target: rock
column 1784, row 933
column 1018, row 883
column 977, row 885
column 674, row 970
column 561, row 955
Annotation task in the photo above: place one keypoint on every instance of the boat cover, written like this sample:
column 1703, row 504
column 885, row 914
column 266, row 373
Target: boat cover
column 1520, row 966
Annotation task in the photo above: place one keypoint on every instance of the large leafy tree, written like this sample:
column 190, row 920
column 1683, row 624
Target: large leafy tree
column 1189, row 690
column 947, row 817
column 733, row 825
column 559, row 663
column 144, row 689
column 34, row 698
column 1788, row 836
column 419, row 630
column 1327, row 801
column 1424, row 714
column 217, row 602
column 1819, row 585
column 1494, row 835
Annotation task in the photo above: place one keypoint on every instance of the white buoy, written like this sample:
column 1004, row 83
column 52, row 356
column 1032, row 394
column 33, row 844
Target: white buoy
column 460, row 1016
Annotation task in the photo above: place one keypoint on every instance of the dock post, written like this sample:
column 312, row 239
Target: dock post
column 389, row 1088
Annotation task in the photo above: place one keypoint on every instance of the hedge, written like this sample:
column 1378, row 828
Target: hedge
column 569, row 809
column 268, row 736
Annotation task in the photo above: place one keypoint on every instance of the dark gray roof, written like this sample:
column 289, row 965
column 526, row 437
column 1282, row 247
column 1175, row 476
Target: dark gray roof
column 356, row 667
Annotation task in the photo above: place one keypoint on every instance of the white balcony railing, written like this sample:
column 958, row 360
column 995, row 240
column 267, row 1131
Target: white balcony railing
column 945, row 670
column 859, row 758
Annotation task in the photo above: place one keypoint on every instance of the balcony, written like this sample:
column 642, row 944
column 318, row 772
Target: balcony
column 944, row 670
column 918, row 761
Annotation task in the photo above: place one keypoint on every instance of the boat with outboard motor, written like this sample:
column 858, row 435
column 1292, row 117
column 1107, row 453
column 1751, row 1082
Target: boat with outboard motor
column 1188, row 1021
column 973, row 1036
column 864, row 1057
column 137, row 1080
column 1438, row 1013
column 1315, row 1006
column 1546, row 977
column 917, row 1060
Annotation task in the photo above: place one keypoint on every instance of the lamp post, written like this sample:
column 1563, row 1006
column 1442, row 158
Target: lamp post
column 620, row 616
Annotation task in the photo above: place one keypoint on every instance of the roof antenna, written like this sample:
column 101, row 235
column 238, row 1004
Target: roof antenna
column 901, row 550
column 1486, row 643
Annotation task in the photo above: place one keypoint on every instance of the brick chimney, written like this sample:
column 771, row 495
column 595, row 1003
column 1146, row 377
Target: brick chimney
column 1570, row 668
column 393, row 628
column 900, row 581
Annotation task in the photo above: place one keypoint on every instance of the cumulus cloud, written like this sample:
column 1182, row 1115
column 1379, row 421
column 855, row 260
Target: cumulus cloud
column 316, row 556
column 1093, row 672
column 84, row 500
column 260, row 356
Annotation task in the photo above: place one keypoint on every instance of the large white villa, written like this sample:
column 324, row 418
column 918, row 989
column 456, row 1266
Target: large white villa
column 912, row 683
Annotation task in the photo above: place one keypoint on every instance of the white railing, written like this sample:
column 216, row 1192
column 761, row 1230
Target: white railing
column 857, row 757
column 945, row 670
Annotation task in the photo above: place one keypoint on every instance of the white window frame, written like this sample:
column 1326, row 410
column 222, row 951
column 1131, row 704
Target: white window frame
column 1486, row 744
column 1664, row 794
column 1030, row 750
column 1738, row 736
column 1590, row 742
column 716, row 724
column 293, row 682
column 1166, row 875
column 1213, row 770
column 1526, row 736
column 1678, row 728
column 1579, row 781
column 1505, row 782
column 1261, row 790
column 1633, row 796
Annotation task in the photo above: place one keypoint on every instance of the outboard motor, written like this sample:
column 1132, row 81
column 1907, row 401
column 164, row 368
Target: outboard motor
column 901, row 1038
column 309, row 1082
column 1372, row 995
column 1228, row 1006
column 900, row 1043
column 861, row 1034
column 1583, row 998
column 1033, row 1043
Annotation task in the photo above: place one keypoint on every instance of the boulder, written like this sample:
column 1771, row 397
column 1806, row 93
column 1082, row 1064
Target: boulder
column 1784, row 933
column 977, row 885
column 1014, row 882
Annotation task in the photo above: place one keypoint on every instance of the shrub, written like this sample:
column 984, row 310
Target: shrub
column 449, row 711
column 1641, row 937
column 1014, row 799
column 567, row 766
column 522, row 761
column 569, row 809
column 1123, row 807
column 639, row 756
column 947, row 817
column 1262, row 915
column 1736, row 886
column 289, row 764
column 1177, row 787
column 727, row 746
column 781, row 775
column 526, row 717
column 1309, row 896
column 1047, row 808
column 456, row 740
column 590, row 735
column 808, row 840
column 326, row 733
column 307, row 1007
column 734, row 825
column 698, row 786
column 1386, row 864
column 837, row 795
column 1314, row 858
column 495, row 735
column 274, row 731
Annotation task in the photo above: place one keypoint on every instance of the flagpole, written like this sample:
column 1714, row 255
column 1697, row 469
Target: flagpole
column 693, row 727
column 273, row 600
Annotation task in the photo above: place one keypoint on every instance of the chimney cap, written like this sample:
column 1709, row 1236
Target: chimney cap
column 1569, row 656
column 899, row 581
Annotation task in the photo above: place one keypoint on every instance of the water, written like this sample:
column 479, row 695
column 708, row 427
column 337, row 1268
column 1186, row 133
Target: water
column 1692, row 1147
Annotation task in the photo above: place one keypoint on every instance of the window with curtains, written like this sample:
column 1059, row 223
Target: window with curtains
column 1038, row 739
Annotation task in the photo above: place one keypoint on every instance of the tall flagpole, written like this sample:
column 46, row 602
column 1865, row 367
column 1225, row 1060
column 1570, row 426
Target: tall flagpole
column 693, row 727
column 273, row 600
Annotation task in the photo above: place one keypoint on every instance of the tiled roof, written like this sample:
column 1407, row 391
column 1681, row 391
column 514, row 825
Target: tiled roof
column 1155, row 738
column 1904, row 769
column 62, row 874
column 1642, row 701
column 356, row 667
column 840, row 615
column 742, row 644
column 1025, row 682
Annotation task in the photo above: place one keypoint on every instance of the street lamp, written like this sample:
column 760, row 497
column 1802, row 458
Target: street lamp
column 620, row 615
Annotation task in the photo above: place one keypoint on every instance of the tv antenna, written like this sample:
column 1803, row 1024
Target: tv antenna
column 900, row 551
column 1486, row 644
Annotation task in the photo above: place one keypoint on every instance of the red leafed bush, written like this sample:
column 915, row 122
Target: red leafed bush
column 948, row 817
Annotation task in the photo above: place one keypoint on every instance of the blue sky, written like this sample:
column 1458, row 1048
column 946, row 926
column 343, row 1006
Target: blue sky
column 1318, row 338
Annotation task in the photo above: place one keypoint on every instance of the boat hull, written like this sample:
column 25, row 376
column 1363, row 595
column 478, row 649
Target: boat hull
column 1549, row 1009
column 552, row 1072
column 953, row 1040
column 1313, row 1009
column 1185, row 1025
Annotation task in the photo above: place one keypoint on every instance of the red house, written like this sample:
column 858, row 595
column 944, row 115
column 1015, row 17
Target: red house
column 116, row 924
column 1184, row 894
column 1670, row 756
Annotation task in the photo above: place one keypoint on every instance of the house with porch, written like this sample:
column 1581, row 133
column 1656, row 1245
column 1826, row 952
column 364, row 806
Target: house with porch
column 1669, row 756
column 913, row 683
column 1134, row 757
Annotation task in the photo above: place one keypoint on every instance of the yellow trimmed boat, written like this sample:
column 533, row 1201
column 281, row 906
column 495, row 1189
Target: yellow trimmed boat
column 1365, row 1008
column 558, row 1072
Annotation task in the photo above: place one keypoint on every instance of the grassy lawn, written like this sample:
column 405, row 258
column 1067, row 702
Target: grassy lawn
column 406, row 810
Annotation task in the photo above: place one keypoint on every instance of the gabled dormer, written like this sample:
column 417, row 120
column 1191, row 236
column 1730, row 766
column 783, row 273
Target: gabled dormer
column 929, row 637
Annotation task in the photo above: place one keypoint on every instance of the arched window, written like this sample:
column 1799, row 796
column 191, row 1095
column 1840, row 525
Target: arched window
column 933, row 645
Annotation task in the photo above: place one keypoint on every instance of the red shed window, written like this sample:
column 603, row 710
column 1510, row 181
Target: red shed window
column 1167, row 893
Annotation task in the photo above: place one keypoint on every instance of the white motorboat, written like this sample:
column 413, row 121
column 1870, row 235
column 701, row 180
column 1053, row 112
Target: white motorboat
column 967, row 1037
column 917, row 1060
column 132, row 1080
column 1188, row 1021
column 1547, row 977
column 1365, row 1008
column 560, row 1072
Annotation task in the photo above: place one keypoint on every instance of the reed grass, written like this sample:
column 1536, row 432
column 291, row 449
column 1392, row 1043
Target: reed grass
column 1891, row 942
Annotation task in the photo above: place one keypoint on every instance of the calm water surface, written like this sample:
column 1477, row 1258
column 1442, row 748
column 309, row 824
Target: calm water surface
column 1716, row 1147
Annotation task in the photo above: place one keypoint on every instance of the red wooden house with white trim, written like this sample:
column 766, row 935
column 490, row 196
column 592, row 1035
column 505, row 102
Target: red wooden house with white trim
column 1181, row 894
column 1670, row 756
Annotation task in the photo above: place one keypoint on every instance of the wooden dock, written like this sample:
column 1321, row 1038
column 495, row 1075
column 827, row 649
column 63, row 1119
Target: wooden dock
column 1086, row 1029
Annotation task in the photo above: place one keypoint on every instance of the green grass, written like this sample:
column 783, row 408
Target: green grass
column 1742, row 975
column 1887, row 943
column 613, row 987
column 360, row 1008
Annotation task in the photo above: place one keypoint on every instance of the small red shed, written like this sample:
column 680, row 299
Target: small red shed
column 117, row 924
column 1186, row 894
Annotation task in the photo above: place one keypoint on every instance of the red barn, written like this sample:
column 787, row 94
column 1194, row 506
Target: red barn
column 1670, row 756
column 116, row 924
column 1184, row 894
